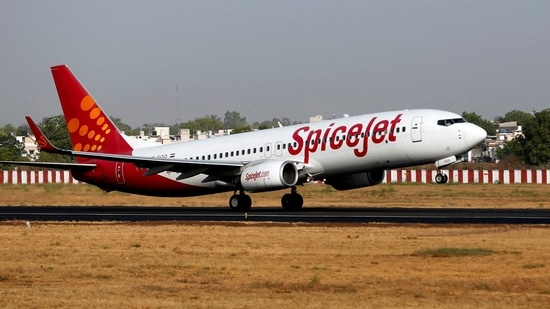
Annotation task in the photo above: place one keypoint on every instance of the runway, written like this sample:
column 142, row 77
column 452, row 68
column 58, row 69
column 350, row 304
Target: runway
column 276, row 214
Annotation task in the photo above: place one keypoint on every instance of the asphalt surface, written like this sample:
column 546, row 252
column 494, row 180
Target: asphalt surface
column 276, row 214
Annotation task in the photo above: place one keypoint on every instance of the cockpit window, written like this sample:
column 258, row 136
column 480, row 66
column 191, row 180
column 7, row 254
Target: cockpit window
column 448, row 122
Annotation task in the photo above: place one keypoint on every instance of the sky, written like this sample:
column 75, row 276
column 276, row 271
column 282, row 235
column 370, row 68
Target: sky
column 173, row 61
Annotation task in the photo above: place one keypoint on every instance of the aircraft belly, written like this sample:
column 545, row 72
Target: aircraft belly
column 348, row 162
column 433, row 150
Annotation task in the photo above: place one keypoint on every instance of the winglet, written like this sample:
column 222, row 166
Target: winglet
column 42, row 140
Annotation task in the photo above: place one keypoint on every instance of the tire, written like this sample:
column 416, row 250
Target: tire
column 292, row 202
column 234, row 202
column 240, row 202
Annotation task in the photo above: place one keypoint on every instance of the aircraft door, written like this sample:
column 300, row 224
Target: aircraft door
column 119, row 173
column 416, row 132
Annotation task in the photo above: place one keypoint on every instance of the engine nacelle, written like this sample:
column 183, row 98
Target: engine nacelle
column 269, row 175
column 359, row 180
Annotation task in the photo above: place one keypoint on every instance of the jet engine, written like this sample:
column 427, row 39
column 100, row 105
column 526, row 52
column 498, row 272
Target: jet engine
column 359, row 180
column 269, row 175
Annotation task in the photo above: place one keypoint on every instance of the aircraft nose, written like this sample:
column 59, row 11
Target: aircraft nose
column 474, row 134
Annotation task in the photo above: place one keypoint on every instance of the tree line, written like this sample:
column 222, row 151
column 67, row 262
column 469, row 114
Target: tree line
column 532, row 148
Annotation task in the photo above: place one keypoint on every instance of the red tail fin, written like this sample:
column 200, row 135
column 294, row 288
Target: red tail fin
column 90, row 128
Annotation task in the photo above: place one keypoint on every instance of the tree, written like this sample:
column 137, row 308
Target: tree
column 516, row 115
column 10, row 148
column 513, row 148
column 127, row 129
column 55, row 129
column 234, row 120
column 205, row 123
column 533, row 147
column 536, row 148
column 476, row 119
column 241, row 130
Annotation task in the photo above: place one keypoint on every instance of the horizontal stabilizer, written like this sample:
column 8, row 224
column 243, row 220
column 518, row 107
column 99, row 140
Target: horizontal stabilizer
column 53, row 165
column 42, row 140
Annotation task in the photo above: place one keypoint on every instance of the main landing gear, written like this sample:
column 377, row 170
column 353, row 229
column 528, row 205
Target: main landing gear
column 240, row 202
column 289, row 201
column 441, row 178
column 292, row 200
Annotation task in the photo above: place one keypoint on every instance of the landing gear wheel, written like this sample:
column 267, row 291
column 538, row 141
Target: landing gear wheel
column 292, row 201
column 441, row 178
column 240, row 202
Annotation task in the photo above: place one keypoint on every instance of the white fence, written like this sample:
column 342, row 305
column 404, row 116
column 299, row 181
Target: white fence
column 392, row 176
column 34, row 177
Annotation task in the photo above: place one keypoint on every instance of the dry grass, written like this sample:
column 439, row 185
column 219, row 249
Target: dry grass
column 200, row 265
column 385, row 195
column 272, row 266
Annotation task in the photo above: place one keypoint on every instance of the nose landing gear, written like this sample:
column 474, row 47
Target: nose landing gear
column 441, row 178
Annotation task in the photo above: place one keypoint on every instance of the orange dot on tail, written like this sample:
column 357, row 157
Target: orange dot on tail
column 100, row 120
column 99, row 148
column 87, row 147
column 72, row 125
column 97, row 137
column 105, row 127
column 94, row 113
column 83, row 130
column 78, row 147
column 94, row 147
column 91, row 134
column 87, row 103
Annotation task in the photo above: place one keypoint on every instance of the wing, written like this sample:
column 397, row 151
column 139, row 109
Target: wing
column 217, row 170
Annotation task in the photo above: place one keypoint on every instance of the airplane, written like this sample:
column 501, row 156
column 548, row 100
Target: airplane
column 346, row 153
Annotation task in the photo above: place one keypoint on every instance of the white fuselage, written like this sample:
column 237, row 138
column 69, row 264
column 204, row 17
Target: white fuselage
column 337, row 146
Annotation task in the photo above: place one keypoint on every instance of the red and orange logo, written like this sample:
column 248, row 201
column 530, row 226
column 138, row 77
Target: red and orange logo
column 91, row 127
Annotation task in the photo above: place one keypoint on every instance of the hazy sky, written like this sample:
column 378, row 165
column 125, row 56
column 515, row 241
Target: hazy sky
column 269, row 59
